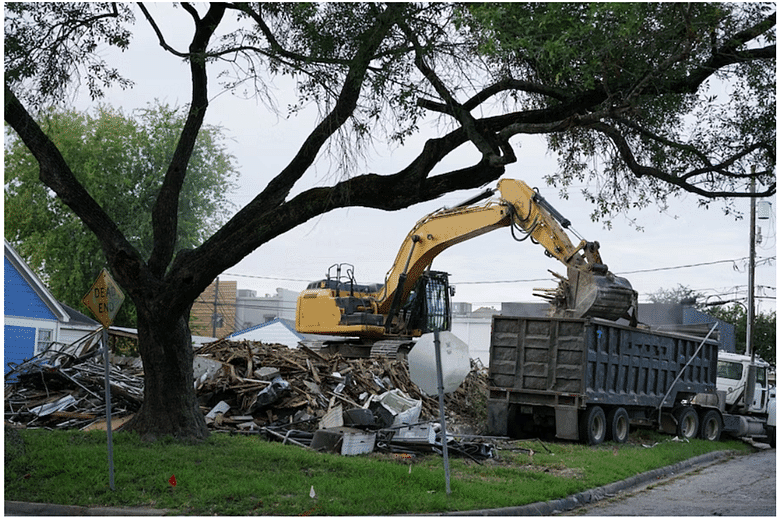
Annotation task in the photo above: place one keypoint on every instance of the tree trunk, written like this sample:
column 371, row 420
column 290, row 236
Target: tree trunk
column 170, row 405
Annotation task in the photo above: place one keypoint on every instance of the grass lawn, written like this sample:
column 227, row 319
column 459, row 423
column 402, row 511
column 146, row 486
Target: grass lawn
column 247, row 475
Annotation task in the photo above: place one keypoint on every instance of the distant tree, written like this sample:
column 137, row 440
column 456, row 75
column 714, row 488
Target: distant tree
column 616, row 87
column 763, row 332
column 121, row 160
column 681, row 294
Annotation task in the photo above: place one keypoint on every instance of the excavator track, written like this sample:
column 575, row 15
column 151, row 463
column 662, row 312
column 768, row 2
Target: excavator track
column 388, row 348
column 392, row 348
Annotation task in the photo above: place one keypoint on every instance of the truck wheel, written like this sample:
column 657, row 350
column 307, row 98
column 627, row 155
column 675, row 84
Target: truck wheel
column 593, row 426
column 686, row 422
column 771, row 436
column 619, row 425
column 711, row 426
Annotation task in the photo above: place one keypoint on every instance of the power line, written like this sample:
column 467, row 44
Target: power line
column 267, row 277
column 763, row 260
column 670, row 268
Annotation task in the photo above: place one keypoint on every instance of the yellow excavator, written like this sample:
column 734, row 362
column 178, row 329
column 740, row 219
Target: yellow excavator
column 414, row 300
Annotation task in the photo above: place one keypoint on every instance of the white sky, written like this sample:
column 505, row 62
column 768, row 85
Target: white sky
column 369, row 239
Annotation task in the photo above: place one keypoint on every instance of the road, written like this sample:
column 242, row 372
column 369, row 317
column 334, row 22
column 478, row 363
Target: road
column 738, row 486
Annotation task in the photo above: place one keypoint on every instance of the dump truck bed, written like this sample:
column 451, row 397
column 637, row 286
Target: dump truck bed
column 562, row 362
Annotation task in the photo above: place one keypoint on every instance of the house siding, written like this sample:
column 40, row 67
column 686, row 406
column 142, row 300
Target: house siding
column 27, row 313
column 19, row 343
column 20, row 299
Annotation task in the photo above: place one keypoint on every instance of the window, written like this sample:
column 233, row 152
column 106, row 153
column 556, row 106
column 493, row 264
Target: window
column 761, row 376
column 729, row 370
column 45, row 337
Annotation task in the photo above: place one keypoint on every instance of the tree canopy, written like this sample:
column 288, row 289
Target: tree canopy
column 656, row 99
column 763, row 331
column 620, row 91
column 120, row 160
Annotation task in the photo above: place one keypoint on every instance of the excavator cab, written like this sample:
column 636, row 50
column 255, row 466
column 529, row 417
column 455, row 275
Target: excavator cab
column 428, row 306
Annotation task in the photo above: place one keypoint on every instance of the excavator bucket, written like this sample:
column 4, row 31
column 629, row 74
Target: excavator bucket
column 592, row 294
column 599, row 295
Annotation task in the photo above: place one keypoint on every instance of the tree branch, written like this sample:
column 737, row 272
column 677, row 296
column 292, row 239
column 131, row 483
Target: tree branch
column 682, row 181
column 165, row 211
column 487, row 145
column 158, row 32
column 253, row 216
column 727, row 54
column 387, row 192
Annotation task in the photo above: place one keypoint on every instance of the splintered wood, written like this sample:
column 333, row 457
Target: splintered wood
column 318, row 382
column 247, row 386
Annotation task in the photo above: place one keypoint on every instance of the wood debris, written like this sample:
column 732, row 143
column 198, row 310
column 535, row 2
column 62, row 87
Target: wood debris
column 262, row 386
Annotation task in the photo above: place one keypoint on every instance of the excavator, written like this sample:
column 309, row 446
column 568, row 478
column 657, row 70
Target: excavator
column 383, row 319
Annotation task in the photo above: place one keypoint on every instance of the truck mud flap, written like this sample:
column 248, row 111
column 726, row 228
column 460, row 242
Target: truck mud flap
column 566, row 422
column 668, row 423
column 497, row 417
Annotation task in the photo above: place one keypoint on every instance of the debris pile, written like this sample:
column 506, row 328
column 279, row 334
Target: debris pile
column 315, row 383
column 64, row 387
column 299, row 396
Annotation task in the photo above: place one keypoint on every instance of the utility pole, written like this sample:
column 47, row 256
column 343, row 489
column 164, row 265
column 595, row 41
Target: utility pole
column 215, row 315
column 751, row 375
column 751, row 278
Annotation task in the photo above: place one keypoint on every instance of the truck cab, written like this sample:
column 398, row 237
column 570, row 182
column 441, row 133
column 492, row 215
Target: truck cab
column 732, row 378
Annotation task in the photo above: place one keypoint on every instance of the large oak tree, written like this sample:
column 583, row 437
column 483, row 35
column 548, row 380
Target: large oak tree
column 621, row 83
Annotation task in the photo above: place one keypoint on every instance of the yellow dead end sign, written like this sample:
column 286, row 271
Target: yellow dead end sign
column 104, row 298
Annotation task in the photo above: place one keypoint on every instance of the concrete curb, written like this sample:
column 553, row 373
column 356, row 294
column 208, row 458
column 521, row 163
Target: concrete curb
column 36, row 509
column 597, row 494
column 535, row 509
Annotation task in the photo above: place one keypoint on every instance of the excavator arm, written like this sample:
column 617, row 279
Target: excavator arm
column 589, row 290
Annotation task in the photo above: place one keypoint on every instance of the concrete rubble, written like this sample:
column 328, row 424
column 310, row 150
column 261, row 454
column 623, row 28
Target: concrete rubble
column 299, row 396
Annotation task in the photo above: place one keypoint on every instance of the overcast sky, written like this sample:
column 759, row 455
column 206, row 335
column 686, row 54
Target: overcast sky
column 703, row 250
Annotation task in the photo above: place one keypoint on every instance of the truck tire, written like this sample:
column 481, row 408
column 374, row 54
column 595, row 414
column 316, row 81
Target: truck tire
column 619, row 425
column 593, row 426
column 771, row 436
column 711, row 426
column 686, row 422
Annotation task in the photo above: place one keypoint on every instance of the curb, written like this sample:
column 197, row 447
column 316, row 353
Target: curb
column 594, row 495
column 38, row 509
column 535, row 509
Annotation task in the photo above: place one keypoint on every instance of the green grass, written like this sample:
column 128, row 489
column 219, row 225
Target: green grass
column 236, row 475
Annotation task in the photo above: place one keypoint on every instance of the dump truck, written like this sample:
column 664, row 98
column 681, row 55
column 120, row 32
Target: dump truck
column 590, row 380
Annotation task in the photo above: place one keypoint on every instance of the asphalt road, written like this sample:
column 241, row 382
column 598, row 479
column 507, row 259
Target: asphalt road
column 736, row 486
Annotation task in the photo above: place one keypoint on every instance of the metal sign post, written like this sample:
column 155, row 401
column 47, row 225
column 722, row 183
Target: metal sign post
column 109, row 430
column 440, row 375
column 104, row 300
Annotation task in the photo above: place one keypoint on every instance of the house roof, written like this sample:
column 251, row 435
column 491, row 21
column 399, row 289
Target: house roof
column 287, row 324
column 18, row 263
column 77, row 318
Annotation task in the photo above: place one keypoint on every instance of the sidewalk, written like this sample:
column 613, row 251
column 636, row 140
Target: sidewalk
column 535, row 509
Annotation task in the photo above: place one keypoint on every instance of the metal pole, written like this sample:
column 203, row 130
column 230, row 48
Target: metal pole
column 216, row 302
column 106, row 354
column 440, row 375
column 751, row 278
column 749, row 395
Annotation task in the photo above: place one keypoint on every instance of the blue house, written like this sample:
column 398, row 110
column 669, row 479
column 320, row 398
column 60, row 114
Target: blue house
column 33, row 317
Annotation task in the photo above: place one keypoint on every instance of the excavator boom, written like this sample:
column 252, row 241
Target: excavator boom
column 339, row 306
